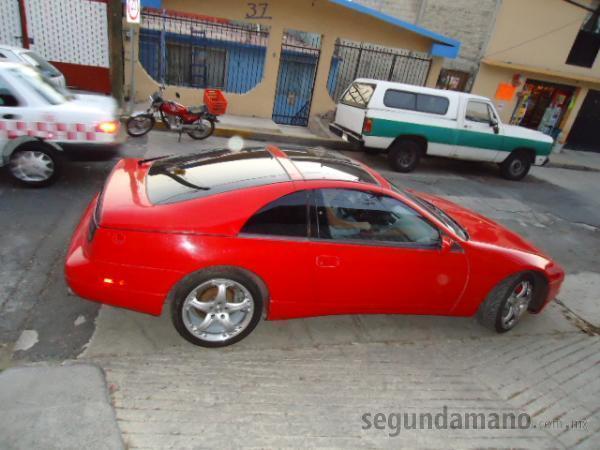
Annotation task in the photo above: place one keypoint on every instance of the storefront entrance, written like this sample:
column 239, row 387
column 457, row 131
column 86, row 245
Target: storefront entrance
column 584, row 134
column 542, row 106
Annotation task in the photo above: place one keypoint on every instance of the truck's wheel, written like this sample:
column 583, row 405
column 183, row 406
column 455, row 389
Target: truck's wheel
column 35, row 164
column 404, row 155
column 516, row 166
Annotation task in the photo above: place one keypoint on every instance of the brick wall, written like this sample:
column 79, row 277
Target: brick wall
column 469, row 21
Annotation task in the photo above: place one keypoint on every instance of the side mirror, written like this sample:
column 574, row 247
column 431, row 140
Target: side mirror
column 494, row 125
column 447, row 243
column 177, row 95
column 450, row 245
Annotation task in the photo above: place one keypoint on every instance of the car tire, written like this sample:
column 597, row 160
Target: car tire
column 404, row 155
column 224, row 319
column 505, row 305
column 516, row 166
column 35, row 164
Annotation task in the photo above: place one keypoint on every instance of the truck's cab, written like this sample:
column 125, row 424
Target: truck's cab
column 412, row 121
column 39, row 124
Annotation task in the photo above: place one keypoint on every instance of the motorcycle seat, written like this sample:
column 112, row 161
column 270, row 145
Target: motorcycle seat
column 197, row 109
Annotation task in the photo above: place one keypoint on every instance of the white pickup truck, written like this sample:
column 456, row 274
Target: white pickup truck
column 41, row 124
column 412, row 121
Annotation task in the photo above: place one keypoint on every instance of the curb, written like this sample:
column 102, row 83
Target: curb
column 259, row 135
column 568, row 166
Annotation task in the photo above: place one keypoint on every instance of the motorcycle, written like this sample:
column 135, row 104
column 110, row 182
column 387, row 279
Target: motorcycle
column 197, row 122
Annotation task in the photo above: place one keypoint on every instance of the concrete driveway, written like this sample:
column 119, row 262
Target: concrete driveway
column 332, row 381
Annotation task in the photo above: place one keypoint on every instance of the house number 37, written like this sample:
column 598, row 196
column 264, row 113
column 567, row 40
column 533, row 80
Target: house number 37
column 258, row 11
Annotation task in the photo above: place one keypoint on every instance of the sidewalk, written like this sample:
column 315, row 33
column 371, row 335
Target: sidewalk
column 57, row 407
column 576, row 160
column 259, row 129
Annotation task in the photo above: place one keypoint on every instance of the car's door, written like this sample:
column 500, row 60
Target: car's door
column 274, row 244
column 373, row 253
column 10, row 112
column 479, row 134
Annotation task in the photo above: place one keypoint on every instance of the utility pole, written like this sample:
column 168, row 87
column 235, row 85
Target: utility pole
column 115, row 41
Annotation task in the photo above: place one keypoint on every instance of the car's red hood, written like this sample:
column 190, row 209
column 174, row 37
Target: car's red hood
column 480, row 228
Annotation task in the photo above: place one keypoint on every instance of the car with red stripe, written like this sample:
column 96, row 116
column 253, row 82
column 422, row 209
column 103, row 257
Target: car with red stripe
column 42, row 125
column 225, row 238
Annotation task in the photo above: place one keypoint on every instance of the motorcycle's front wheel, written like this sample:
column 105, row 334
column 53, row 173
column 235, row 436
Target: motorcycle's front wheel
column 139, row 125
column 204, row 128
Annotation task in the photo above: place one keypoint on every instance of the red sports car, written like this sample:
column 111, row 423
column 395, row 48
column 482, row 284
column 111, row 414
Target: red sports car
column 227, row 237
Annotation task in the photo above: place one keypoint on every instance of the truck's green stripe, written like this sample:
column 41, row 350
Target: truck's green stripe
column 453, row 136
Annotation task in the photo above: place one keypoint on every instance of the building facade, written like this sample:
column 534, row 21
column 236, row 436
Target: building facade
column 469, row 21
column 72, row 34
column 542, row 71
column 286, row 60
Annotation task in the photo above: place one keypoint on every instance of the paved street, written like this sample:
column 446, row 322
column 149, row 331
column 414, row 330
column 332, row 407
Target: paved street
column 309, row 382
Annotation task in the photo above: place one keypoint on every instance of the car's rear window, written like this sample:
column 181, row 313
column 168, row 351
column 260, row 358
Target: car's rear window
column 358, row 95
column 178, row 179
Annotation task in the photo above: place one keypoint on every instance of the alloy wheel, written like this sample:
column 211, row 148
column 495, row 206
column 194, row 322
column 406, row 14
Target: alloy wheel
column 516, row 304
column 218, row 310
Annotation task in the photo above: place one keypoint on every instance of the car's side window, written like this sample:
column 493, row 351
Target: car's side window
column 478, row 112
column 286, row 216
column 7, row 98
column 353, row 215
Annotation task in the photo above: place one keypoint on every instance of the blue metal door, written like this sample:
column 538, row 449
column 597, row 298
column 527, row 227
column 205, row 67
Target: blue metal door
column 296, row 80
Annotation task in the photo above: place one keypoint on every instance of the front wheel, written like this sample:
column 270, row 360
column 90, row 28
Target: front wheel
column 35, row 164
column 516, row 166
column 504, row 307
column 139, row 125
column 203, row 129
column 216, row 308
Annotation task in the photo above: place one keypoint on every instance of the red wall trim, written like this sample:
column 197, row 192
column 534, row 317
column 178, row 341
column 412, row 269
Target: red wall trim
column 87, row 78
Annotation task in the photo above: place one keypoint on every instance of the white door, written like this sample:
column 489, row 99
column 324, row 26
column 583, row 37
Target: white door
column 478, row 139
column 10, row 23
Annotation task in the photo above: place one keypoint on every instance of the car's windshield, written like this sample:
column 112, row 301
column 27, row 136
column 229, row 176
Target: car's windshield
column 40, row 63
column 39, row 84
column 440, row 214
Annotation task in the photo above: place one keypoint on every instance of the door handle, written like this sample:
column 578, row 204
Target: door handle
column 328, row 261
column 11, row 116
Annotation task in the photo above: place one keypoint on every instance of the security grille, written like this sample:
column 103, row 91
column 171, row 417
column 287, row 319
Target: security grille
column 70, row 31
column 202, row 52
column 359, row 60
column 10, row 23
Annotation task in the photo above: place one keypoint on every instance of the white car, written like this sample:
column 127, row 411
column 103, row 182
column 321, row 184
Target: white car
column 413, row 121
column 31, row 58
column 40, row 125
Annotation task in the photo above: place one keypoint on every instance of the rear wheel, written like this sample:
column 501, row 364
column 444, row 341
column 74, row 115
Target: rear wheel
column 35, row 164
column 205, row 129
column 404, row 155
column 504, row 307
column 216, row 308
column 516, row 166
column 140, row 125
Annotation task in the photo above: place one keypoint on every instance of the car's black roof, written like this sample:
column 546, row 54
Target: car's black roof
column 184, row 177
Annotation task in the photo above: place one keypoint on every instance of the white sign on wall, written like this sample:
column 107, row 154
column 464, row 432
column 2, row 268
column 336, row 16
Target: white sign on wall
column 133, row 11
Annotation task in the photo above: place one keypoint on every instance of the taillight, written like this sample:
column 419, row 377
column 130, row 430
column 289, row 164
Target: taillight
column 109, row 127
column 367, row 125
